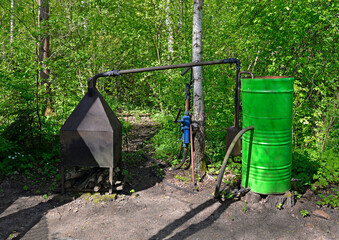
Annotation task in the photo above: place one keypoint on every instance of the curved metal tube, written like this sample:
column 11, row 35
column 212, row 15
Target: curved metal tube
column 92, row 81
column 227, row 156
column 247, row 72
column 184, row 155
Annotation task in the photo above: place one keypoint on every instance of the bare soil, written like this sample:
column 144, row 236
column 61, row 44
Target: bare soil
column 151, row 207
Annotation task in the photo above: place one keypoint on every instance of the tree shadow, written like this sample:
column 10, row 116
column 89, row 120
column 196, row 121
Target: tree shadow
column 19, row 223
column 193, row 228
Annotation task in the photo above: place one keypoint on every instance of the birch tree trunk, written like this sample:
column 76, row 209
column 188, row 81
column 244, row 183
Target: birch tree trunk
column 198, row 99
column 12, row 22
column 170, row 40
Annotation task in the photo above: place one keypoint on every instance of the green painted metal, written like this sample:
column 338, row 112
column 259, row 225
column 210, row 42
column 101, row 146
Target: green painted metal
column 267, row 151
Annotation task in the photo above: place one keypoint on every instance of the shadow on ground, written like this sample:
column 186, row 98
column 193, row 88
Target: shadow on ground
column 19, row 213
column 193, row 228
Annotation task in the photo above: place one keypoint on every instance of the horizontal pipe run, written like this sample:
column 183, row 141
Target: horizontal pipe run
column 92, row 81
column 183, row 65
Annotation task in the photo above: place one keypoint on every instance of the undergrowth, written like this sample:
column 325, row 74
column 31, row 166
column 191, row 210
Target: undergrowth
column 39, row 158
column 321, row 174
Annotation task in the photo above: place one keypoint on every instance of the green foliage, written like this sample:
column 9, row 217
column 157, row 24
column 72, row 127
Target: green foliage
column 304, row 213
column 182, row 178
column 124, row 172
column 15, row 163
column 297, row 194
column 303, row 167
column 167, row 140
column 329, row 198
column 328, row 172
column 320, row 174
column 159, row 172
column 291, row 38
column 133, row 158
column 227, row 195
column 244, row 206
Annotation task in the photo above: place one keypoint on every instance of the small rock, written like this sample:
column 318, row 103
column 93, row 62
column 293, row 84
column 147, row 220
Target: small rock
column 252, row 197
column 321, row 214
column 309, row 225
column 96, row 188
column 308, row 194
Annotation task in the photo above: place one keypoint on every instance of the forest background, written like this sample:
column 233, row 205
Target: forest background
column 289, row 38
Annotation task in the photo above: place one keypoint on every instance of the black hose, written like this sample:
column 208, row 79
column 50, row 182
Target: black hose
column 184, row 155
column 227, row 156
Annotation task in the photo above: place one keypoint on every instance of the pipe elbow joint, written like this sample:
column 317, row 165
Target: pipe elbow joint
column 234, row 60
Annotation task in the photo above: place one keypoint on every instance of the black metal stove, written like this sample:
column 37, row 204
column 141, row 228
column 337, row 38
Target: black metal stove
column 91, row 136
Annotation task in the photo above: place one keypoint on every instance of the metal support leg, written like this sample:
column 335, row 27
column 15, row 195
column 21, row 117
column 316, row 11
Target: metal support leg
column 62, row 178
column 110, row 191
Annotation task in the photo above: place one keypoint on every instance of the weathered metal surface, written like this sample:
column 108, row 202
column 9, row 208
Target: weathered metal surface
column 234, row 130
column 92, row 135
column 112, row 73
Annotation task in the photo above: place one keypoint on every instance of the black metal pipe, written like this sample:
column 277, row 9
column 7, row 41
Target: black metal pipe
column 92, row 81
column 227, row 156
column 182, row 65
column 237, row 96
column 237, row 100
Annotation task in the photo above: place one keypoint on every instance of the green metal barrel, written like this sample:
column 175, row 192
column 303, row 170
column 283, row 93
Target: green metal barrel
column 267, row 150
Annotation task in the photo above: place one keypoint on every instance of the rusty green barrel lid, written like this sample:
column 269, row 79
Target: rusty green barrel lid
column 267, row 151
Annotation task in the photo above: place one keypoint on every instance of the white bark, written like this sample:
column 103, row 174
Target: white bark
column 170, row 40
column 12, row 21
column 198, row 99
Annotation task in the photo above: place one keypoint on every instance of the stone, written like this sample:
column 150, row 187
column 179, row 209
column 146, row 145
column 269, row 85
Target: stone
column 321, row 214
column 308, row 194
column 96, row 188
column 252, row 197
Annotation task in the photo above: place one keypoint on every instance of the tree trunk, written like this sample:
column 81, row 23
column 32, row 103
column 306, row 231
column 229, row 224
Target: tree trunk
column 170, row 40
column 198, row 99
column 12, row 27
column 12, row 21
column 43, row 54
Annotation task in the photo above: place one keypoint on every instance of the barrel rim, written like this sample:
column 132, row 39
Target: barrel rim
column 272, row 77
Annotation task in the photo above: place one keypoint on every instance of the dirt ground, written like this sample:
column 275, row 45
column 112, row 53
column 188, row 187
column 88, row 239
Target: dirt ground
column 153, row 208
